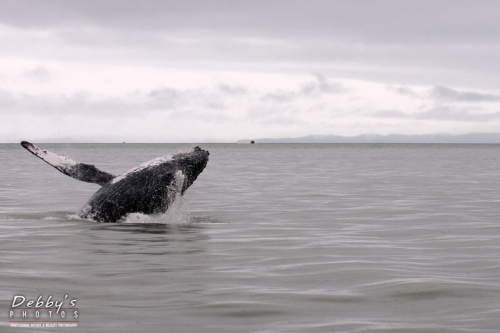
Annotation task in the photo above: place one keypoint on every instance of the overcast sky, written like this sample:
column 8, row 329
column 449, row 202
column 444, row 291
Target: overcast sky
column 219, row 71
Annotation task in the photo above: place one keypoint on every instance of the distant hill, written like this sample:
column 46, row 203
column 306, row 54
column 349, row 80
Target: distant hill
column 392, row 138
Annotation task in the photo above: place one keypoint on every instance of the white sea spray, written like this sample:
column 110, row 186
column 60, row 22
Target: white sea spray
column 178, row 208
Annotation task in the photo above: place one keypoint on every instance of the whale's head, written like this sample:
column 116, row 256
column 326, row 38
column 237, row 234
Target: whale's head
column 191, row 164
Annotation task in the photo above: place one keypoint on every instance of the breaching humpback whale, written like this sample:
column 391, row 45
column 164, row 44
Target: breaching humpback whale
column 149, row 188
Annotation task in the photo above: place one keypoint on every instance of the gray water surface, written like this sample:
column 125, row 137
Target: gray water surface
column 281, row 238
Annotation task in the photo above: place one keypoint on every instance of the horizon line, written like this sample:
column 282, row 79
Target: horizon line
column 311, row 138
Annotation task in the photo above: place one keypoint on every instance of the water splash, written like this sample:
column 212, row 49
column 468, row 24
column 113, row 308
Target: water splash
column 51, row 218
column 177, row 213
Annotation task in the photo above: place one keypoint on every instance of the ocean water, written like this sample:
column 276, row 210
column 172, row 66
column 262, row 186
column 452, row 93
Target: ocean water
column 270, row 238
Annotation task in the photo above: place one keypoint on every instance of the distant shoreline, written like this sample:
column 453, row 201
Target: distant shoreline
column 479, row 138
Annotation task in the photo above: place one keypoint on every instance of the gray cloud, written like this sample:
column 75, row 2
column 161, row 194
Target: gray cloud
column 82, row 102
column 232, row 89
column 176, row 102
column 165, row 98
column 279, row 96
column 445, row 113
column 79, row 103
column 168, row 98
column 451, row 95
column 384, row 40
column 402, row 90
column 38, row 73
column 454, row 114
column 270, row 117
column 390, row 114
column 363, row 20
column 6, row 99
column 322, row 85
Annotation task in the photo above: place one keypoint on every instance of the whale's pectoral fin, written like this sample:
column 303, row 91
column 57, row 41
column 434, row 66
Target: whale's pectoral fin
column 84, row 172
